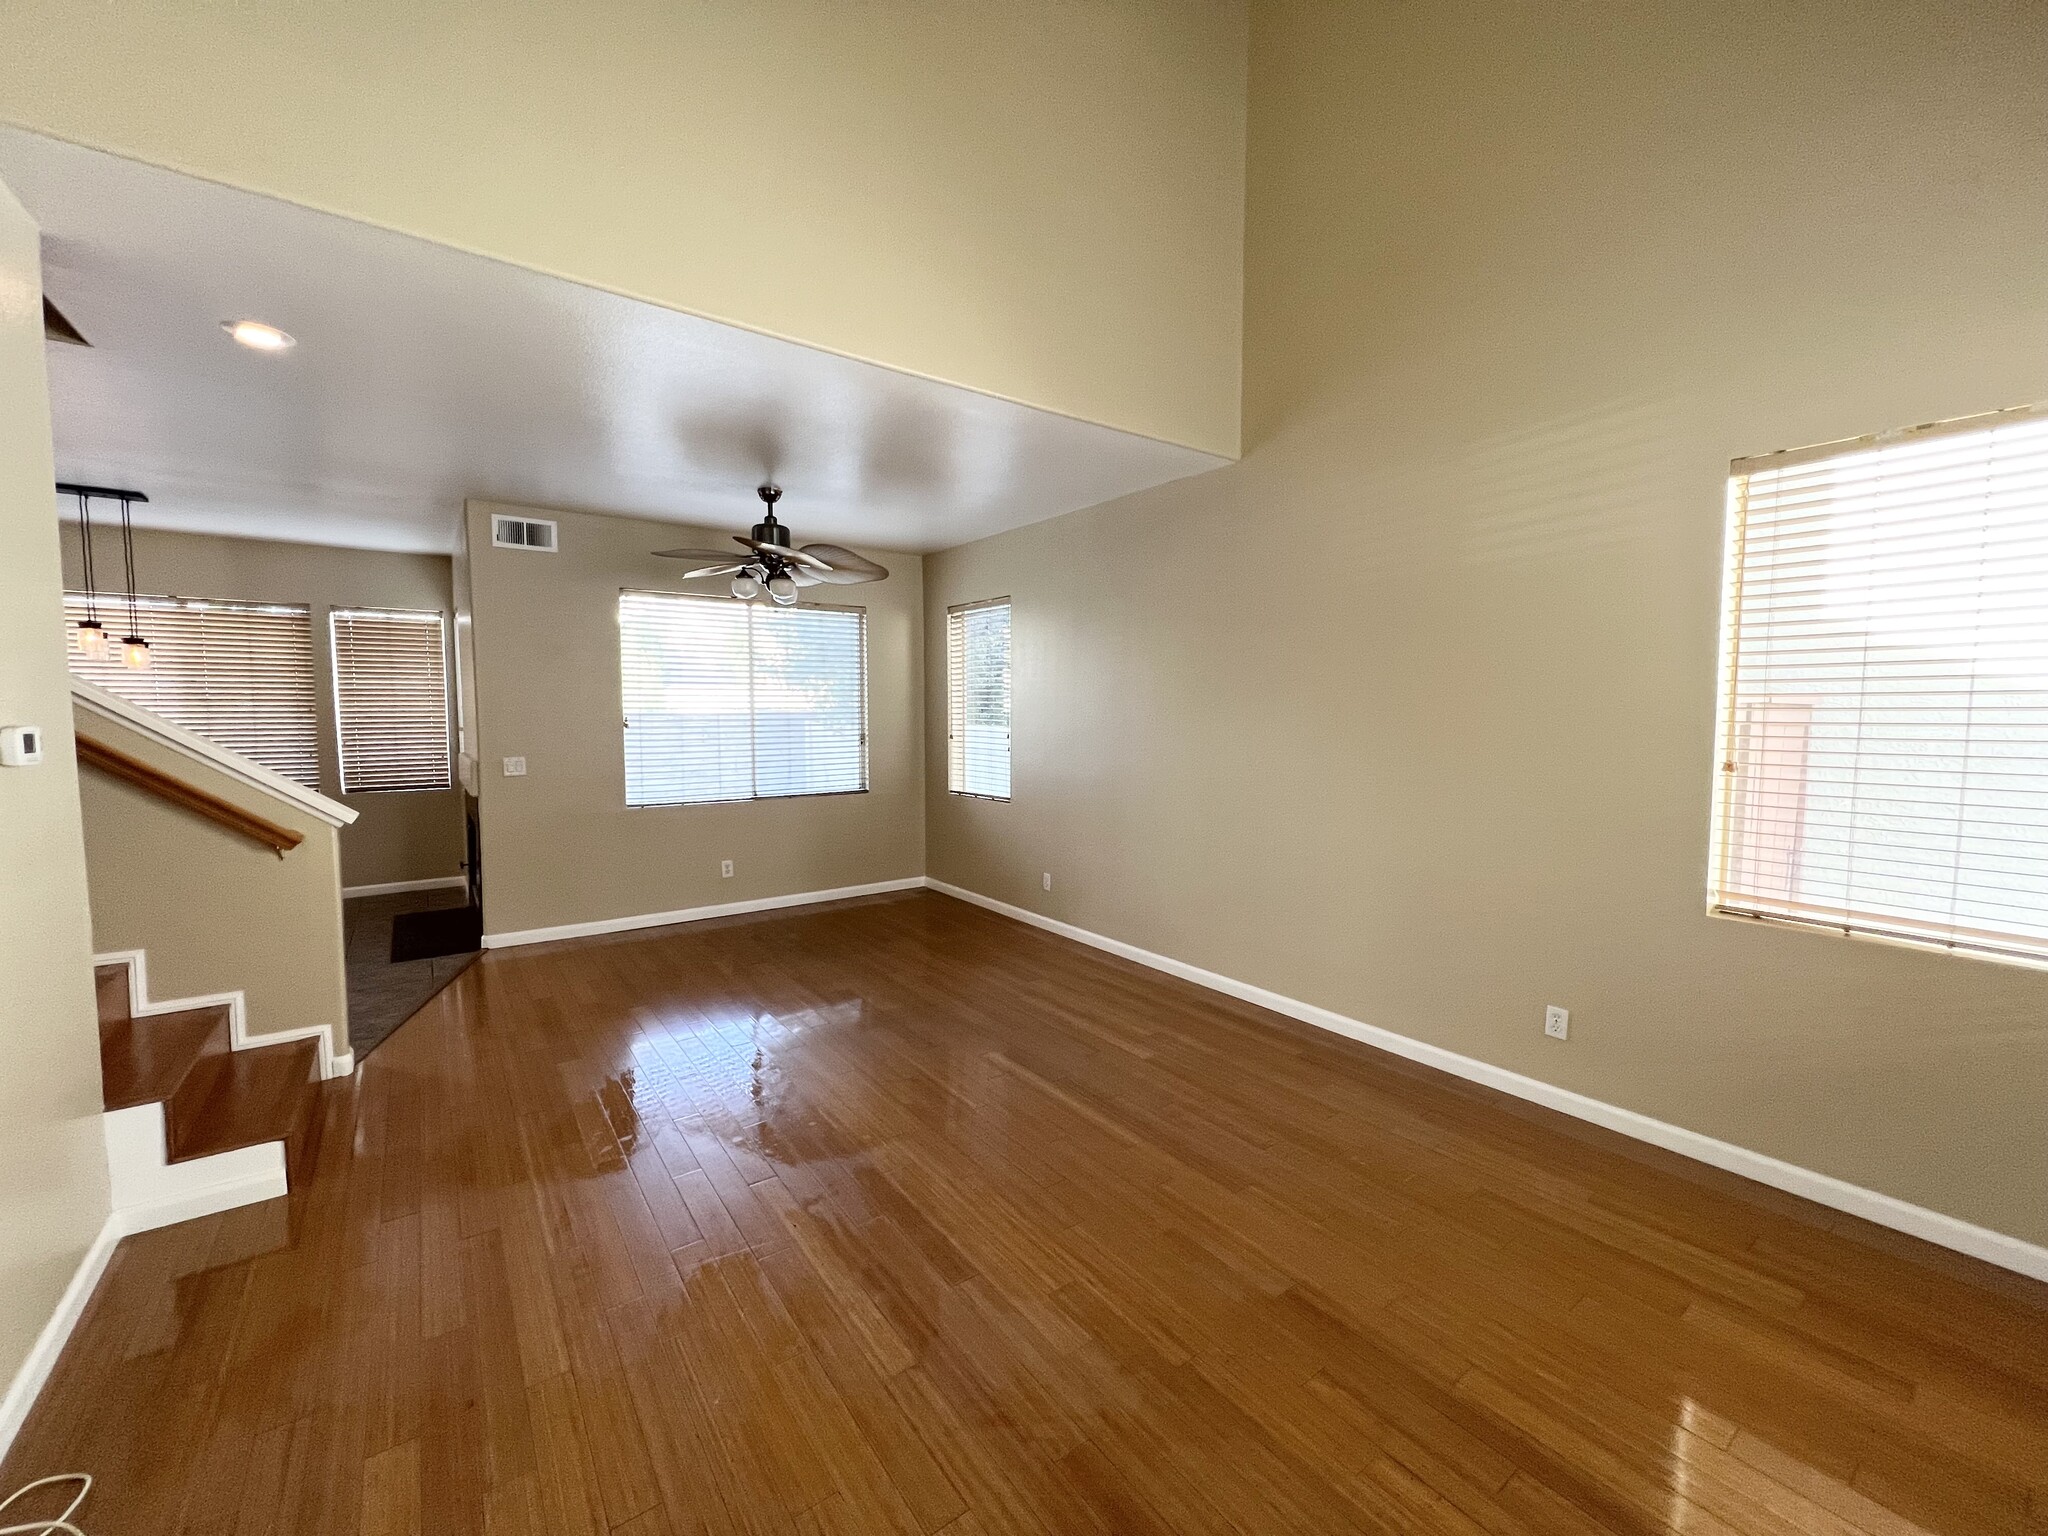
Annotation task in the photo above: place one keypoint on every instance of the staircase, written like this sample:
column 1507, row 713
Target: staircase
column 207, row 871
column 193, row 1124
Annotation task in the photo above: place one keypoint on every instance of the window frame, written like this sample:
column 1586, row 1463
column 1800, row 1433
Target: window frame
column 1736, row 717
column 859, row 611
column 960, row 611
column 409, row 615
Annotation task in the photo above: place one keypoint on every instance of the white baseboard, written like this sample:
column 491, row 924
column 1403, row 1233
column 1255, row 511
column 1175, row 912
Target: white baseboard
column 1998, row 1248
column 333, row 1063
column 42, row 1356
column 393, row 887
column 693, row 914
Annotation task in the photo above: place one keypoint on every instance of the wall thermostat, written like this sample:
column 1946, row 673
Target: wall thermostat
column 21, row 746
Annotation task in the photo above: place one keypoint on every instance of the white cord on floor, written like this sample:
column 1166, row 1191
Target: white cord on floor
column 58, row 1523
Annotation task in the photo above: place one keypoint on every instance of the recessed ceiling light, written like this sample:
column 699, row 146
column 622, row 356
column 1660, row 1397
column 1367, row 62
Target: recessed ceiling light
column 257, row 335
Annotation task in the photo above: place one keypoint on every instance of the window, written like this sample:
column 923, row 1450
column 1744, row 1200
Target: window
column 739, row 701
column 239, row 674
column 390, row 699
column 978, row 699
column 1883, row 746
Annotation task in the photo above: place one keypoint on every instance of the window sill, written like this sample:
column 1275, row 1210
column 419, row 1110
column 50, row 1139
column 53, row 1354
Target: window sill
column 1878, row 936
column 693, row 805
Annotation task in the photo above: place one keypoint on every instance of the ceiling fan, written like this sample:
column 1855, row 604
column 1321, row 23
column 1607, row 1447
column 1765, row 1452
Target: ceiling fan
column 772, row 565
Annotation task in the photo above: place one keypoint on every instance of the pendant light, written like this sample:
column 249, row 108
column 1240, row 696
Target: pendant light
column 90, row 636
column 134, row 649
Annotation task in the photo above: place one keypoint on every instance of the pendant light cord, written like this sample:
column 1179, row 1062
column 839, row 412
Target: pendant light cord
column 128, row 555
column 92, row 594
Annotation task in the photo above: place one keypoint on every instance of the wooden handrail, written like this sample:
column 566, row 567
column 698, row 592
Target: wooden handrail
column 280, row 840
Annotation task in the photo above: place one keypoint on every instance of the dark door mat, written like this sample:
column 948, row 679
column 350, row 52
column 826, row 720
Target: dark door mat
column 443, row 931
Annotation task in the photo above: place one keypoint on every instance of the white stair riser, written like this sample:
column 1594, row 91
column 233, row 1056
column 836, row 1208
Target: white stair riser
column 149, row 1190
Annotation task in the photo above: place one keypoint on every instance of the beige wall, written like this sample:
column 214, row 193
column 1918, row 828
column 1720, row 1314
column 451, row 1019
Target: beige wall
column 560, row 846
column 53, row 1161
column 1409, row 714
column 1041, row 200
column 216, row 911
column 409, row 835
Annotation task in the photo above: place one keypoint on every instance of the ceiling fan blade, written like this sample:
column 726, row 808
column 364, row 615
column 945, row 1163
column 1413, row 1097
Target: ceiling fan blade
column 804, row 576
column 794, row 556
column 846, row 566
column 727, row 568
column 701, row 556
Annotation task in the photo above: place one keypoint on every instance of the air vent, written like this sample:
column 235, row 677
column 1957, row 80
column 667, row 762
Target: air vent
column 535, row 533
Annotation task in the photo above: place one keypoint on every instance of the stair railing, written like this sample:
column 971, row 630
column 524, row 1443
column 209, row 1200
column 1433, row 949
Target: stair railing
column 133, row 770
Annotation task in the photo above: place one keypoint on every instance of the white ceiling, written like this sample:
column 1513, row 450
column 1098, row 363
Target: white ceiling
column 424, row 375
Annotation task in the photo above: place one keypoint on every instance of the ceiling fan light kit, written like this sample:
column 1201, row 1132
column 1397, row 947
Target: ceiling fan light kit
column 772, row 564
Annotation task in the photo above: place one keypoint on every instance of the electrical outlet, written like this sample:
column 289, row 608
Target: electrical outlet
column 725, row 868
column 515, row 767
column 1557, row 1022
column 1046, row 879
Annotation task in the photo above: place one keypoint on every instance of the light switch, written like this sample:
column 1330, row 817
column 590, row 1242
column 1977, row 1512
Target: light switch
column 515, row 767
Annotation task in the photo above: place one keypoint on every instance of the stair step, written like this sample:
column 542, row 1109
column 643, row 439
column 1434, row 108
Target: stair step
column 247, row 1097
column 110, row 985
column 146, row 1059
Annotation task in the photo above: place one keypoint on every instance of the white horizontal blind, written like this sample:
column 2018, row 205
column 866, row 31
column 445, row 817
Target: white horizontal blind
column 390, row 699
column 239, row 674
column 810, row 700
column 686, row 668
column 727, row 700
column 978, row 699
column 1884, row 715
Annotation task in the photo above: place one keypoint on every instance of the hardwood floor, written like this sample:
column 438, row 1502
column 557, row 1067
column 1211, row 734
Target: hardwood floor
column 899, row 1217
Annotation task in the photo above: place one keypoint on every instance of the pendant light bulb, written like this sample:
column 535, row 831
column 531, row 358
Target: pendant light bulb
column 744, row 587
column 782, row 588
column 92, row 640
column 135, row 653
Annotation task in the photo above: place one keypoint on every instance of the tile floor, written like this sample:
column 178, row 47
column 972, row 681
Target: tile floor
column 383, row 995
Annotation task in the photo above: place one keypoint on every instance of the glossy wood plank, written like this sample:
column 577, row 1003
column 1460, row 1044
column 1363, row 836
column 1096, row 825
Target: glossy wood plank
column 897, row 1217
column 243, row 1098
column 147, row 1060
